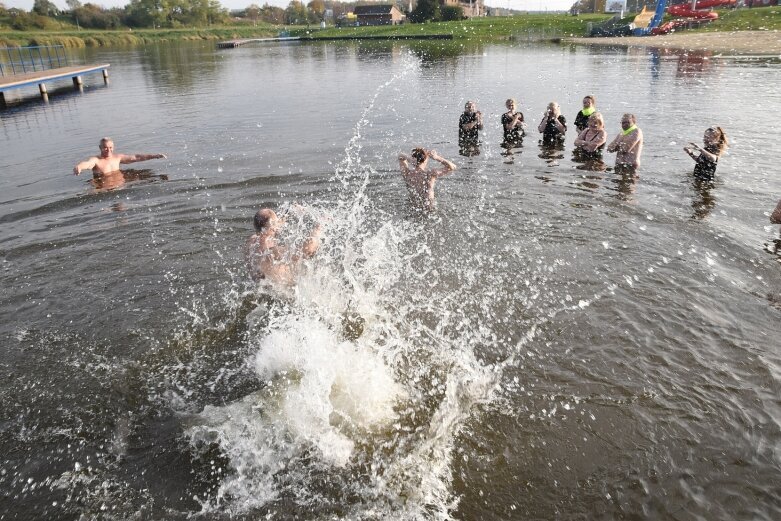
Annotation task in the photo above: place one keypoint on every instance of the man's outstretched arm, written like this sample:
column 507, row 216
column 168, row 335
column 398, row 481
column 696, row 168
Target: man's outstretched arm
column 134, row 158
column 85, row 165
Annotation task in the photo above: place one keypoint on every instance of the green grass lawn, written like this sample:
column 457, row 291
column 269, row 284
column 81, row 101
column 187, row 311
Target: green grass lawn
column 90, row 37
column 756, row 19
column 482, row 28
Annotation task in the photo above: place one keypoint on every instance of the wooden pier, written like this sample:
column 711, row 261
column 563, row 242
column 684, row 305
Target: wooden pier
column 230, row 44
column 40, row 78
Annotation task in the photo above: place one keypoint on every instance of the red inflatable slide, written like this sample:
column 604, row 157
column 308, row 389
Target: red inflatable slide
column 689, row 15
column 686, row 11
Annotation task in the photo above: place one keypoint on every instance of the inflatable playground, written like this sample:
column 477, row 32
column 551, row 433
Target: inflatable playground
column 649, row 22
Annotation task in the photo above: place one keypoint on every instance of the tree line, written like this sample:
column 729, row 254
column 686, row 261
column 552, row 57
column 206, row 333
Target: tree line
column 198, row 13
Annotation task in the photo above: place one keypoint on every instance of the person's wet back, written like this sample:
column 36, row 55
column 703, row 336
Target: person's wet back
column 420, row 179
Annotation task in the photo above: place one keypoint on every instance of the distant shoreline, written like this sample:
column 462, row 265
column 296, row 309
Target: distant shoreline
column 765, row 43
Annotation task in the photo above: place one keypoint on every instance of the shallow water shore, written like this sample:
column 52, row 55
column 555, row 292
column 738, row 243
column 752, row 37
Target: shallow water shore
column 737, row 42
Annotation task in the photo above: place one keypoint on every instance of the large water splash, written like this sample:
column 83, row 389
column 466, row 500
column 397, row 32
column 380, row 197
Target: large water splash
column 366, row 427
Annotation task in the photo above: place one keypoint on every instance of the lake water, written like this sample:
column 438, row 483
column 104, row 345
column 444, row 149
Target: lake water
column 550, row 343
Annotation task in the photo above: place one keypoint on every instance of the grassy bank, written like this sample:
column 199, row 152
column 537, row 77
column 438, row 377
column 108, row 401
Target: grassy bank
column 534, row 25
column 756, row 19
column 94, row 38
column 489, row 28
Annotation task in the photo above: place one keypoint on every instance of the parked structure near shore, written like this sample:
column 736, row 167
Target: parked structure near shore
column 379, row 15
column 471, row 8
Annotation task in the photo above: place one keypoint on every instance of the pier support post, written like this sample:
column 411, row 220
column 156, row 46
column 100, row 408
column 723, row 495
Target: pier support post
column 44, row 93
column 77, row 84
column 2, row 100
column 105, row 76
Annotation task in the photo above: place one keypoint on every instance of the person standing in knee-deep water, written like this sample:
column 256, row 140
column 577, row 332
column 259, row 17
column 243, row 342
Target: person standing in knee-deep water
column 420, row 179
column 469, row 125
column 716, row 142
column 108, row 161
column 512, row 125
column 628, row 145
column 589, row 107
column 553, row 125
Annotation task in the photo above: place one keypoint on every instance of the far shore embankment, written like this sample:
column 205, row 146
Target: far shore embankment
column 766, row 43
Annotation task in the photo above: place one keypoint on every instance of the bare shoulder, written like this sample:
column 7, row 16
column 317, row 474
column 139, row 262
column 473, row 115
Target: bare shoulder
column 775, row 217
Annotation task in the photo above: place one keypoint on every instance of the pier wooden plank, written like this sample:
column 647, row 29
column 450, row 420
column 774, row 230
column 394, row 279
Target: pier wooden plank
column 230, row 44
column 36, row 78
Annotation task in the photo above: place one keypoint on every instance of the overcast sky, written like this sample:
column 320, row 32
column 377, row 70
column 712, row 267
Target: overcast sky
column 522, row 5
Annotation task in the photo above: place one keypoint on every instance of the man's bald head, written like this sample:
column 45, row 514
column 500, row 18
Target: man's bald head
column 263, row 218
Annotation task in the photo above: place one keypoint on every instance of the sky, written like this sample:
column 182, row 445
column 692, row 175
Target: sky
column 521, row 5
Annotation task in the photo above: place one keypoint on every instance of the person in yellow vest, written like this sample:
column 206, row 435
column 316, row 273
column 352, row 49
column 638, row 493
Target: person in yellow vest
column 589, row 107
column 628, row 145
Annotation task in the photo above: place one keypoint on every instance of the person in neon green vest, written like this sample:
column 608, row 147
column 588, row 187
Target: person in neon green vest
column 589, row 107
column 628, row 145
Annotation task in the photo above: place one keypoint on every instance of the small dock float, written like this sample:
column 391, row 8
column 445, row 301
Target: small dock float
column 232, row 44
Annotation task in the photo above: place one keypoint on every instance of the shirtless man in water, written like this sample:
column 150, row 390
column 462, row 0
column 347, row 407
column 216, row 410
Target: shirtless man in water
column 419, row 179
column 266, row 259
column 108, row 161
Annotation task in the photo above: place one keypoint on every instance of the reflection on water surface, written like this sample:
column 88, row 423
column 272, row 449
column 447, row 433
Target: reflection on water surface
column 589, row 343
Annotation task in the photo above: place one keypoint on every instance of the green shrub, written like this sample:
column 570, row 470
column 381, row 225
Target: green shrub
column 451, row 12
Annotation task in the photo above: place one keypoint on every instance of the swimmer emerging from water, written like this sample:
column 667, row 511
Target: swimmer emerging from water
column 419, row 179
column 266, row 259
column 108, row 161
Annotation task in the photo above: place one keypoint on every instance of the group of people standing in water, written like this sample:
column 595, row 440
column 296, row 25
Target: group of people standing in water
column 591, row 140
column 268, row 260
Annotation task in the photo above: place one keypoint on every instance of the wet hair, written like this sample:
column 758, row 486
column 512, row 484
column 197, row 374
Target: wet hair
column 553, row 104
column 419, row 155
column 262, row 217
column 510, row 100
column 596, row 116
column 592, row 98
column 106, row 140
column 721, row 138
column 631, row 117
